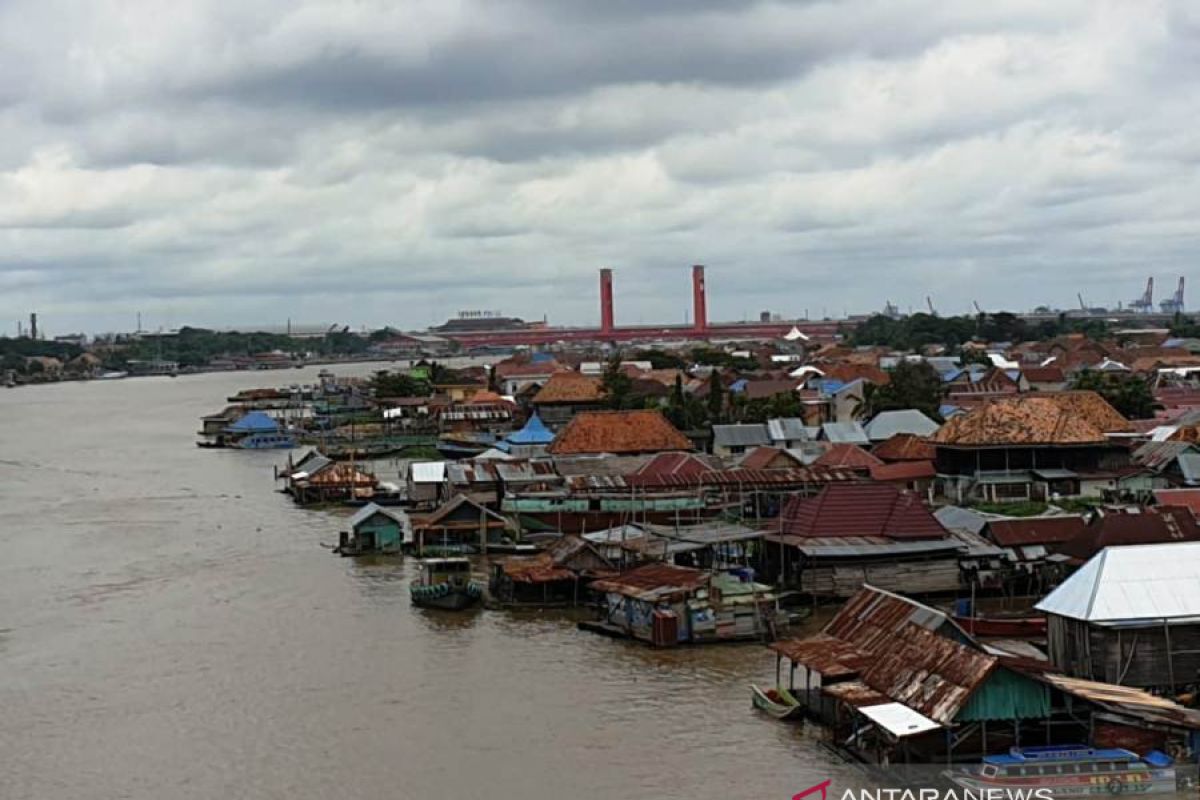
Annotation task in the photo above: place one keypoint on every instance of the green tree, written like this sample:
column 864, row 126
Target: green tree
column 716, row 398
column 660, row 359
column 1128, row 394
column 912, row 385
column 618, row 387
column 395, row 384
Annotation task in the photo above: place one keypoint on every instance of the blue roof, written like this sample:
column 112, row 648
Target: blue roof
column 831, row 386
column 540, row 358
column 739, row 385
column 534, row 432
column 254, row 422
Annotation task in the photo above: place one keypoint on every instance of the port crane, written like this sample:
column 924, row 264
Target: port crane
column 1145, row 303
column 1174, row 303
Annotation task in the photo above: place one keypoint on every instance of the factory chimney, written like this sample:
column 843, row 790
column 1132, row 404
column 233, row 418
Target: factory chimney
column 699, row 303
column 33, row 333
column 606, row 301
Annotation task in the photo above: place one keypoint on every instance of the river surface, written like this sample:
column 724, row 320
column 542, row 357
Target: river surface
column 170, row 627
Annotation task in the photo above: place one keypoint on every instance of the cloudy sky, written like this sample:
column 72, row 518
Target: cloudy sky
column 223, row 163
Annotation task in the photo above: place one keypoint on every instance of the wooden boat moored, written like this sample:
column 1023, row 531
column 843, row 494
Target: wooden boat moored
column 778, row 703
column 1028, row 627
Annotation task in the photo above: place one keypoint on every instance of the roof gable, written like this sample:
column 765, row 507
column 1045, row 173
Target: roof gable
column 847, row 455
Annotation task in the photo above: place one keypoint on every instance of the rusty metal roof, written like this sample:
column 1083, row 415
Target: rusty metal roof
column 1035, row 530
column 855, row 693
column 832, row 657
column 907, row 651
column 653, row 582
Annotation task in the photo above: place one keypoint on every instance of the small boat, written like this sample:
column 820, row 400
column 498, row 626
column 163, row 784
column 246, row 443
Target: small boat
column 1029, row 627
column 778, row 703
column 265, row 441
column 446, row 583
column 1069, row 771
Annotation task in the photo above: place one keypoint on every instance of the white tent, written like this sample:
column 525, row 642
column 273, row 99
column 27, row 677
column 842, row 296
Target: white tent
column 795, row 334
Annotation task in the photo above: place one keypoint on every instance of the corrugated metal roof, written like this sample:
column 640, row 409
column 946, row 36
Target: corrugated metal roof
column 856, row 546
column 740, row 435
column 907, row 651
column 959, row 518
column 1035, row 530
column 790, row 428
column 861, row 509
column 1126, row 700
column 855, row 693
column 828, row 655
column 652, row 582
column 428, row 471
column 1154, row 525
column 371, row 509
column 848, row 432
column 887, row 424
column 1147, row 583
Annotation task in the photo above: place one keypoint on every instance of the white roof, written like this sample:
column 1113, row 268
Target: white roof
column 794, row 334
column 622, row 533
column 998, row 360
column 899, row 720
column 1163, row 432
column 428, row 471
column 1132, row 583
column 492, row 454
column 807, row 369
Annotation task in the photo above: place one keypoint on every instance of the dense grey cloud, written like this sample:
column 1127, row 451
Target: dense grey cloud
column 376, row 162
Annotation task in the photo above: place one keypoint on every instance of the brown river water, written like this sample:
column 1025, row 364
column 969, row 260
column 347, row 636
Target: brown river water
column 170, row 627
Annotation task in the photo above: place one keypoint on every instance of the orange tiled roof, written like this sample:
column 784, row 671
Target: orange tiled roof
column 570, row 387
column 1037, row 419
column 618, row 432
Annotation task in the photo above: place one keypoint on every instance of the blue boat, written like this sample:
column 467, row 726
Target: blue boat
column 1070, row 771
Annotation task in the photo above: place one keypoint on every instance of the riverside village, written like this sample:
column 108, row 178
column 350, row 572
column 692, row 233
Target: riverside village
column 966, row 542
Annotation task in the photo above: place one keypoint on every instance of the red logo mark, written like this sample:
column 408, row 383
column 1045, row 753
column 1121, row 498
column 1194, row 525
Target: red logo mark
column 820, row 787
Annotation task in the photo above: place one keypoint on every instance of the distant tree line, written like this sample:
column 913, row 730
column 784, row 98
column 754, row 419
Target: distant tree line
column 199, row 346
column 919, row 330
